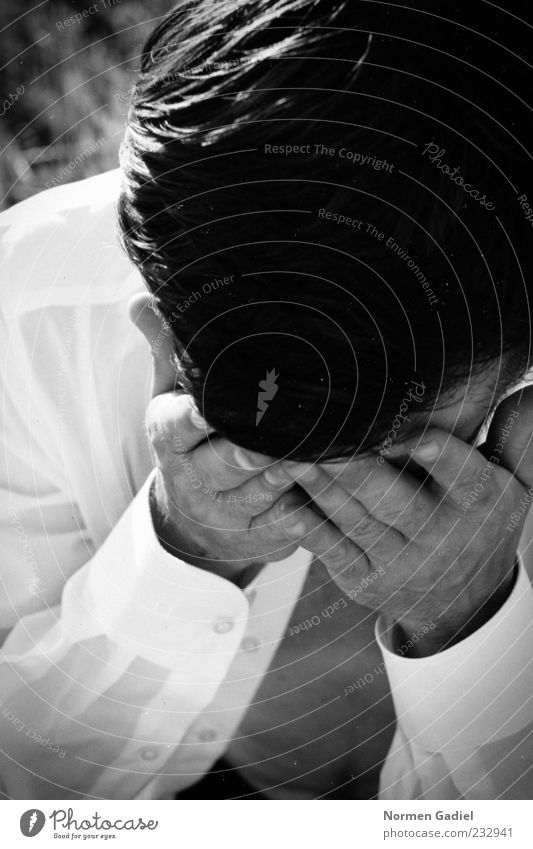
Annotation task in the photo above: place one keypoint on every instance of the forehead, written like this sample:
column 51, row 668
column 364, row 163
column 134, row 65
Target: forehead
column 466, row 411
column 463, row 410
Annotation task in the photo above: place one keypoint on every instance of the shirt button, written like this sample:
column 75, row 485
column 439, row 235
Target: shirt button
column 250, row 644
column 222, row 626
column 149, row 753
column 207, row 735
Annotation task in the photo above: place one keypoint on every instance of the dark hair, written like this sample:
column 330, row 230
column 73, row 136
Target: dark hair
column 242, row 239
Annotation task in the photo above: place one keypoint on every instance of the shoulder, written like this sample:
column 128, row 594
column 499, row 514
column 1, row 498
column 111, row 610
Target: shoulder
column 99, row 190
column 60, row 244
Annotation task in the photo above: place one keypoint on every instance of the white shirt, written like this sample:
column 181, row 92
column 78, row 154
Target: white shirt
column 126, row 673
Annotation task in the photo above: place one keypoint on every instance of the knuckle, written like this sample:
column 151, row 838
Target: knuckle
column 268, row 524
column 157, row 437
column 155, row 408
column 155, row 422
column 364, row 527
column 260, row 501
column 166, row 415
column 395, row 514
column 338, row 557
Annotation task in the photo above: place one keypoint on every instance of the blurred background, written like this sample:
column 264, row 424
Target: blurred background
column 66, row 68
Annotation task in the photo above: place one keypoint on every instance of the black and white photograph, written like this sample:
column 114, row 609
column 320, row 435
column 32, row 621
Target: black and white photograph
column 266, row 301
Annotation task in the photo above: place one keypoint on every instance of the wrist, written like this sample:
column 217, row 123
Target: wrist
column 179, row 541
column 451, row 630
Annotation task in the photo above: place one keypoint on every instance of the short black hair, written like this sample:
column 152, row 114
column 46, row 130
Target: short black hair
column 329, row 200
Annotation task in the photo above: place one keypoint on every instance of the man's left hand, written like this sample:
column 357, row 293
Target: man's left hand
column 435, row 563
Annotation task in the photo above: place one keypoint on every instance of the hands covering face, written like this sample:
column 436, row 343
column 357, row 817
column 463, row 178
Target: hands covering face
column 434, row 561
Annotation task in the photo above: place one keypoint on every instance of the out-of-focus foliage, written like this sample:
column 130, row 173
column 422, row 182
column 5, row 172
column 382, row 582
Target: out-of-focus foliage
column 64, row 87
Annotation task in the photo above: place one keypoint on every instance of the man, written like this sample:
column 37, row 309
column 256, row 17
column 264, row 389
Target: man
column 323, row 591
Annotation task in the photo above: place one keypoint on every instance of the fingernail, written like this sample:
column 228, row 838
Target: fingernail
column 276, row 476
column 296, row 530
column 427, row 451
column 243, row 460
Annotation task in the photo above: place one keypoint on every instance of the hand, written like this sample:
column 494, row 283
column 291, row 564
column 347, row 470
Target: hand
column 411, row 549
column 206, row 505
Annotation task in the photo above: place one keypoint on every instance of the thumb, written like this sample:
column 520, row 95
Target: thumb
column 510, row 437
column 158, row 334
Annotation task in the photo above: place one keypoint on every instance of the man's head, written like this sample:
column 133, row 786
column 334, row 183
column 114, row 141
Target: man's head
column 324, row 199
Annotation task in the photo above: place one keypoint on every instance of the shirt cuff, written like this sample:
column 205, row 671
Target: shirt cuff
column 478, row 690
column 160, row 607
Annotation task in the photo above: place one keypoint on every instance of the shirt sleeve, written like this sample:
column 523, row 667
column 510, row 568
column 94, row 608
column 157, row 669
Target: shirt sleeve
column 109, row 649
column 96, row 692
column 465, row 715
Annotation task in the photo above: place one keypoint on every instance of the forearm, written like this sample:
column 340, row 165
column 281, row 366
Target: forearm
column 135, row 628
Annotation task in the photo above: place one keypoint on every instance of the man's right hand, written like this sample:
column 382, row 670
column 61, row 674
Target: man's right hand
column 208, row 494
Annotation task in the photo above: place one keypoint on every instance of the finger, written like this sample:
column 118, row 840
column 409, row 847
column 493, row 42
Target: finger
column 388, row 493
column 174, row 424
column 260, row 492
column 225, row 466
column 253, row 497
column 452, row 463
column 510, row 437
column 345, row 561
column 266, row 526
column 272, row 520
column 349, row 515
column 159, row 336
